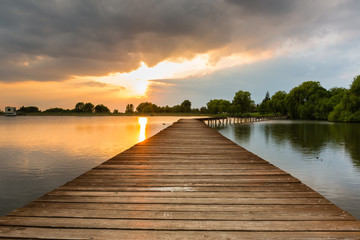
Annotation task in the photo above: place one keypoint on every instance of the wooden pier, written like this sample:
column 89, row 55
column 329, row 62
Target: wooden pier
column 223, row 121
column 186, row 182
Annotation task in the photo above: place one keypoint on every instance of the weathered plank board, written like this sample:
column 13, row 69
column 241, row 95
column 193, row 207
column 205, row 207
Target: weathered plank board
column 66, row 233
column 205, row 225
column 186, row 182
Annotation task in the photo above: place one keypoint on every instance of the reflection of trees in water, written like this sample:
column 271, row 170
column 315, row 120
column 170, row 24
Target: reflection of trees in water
column 349, row 134
column 242, row 132
column 309, row 137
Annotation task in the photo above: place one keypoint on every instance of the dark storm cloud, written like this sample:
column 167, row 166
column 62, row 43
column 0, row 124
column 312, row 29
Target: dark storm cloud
column 268, row 7
column 54, row 40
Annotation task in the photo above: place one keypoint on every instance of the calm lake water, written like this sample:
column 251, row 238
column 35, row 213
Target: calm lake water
column 38, row 153
column 325, row 156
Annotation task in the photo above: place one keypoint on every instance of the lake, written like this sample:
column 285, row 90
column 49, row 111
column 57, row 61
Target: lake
column 40, row 153
column 323, row 155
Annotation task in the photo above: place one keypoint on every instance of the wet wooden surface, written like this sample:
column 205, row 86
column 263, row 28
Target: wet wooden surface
column 186, row 182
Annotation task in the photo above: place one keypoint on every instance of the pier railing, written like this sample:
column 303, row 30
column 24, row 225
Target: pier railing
column 222, row 121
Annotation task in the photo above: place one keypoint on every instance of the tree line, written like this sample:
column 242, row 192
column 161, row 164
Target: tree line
column 148, row 107
column 80, row 107
column 144, row 107
column 309, row 100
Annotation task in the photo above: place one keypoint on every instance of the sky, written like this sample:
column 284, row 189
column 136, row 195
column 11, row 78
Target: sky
column 55, row 53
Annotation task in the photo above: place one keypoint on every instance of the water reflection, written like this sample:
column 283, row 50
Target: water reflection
column 44, row 152
column 142, row 133
column 324, row 155
column 314, row 137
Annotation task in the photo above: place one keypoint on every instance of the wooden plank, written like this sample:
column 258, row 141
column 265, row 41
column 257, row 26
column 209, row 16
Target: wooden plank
column 180, row 178
column 230, row 172
column 180, row 161
column 189, row 200
column 168, row 185
column 285, row 208
column 76, row 233
column 279, row 187
column 179, row 225
column 187, row 166
column 160, row 180
column 187, row 194
column 183, row 215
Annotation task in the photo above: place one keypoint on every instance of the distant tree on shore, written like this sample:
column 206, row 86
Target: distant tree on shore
column 264, row 105
column 146, row 107
column 204, row 110
column 101, row 109
column 89, row 107
column 348, row 109
column 129, row 108
column 185, row 106
column 277, row 104
column 79, row 107
column 82, row 107
column 54, row 110
column 30, row 109
column 242, row 102
column 218, row 106
column 309, row 100
column 304, row 100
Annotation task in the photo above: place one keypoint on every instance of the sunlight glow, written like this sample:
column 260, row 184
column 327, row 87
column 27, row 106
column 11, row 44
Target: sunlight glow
column 142, row 122
column 198, row 66
column 135, row 83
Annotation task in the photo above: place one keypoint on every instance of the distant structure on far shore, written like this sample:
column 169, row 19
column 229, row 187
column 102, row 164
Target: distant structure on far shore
column 10, row 111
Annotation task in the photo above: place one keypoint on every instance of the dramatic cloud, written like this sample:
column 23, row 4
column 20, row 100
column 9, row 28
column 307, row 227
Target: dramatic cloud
column 55, row 40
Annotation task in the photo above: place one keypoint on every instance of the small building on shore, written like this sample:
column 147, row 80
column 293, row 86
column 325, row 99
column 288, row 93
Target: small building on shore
column 10, row 111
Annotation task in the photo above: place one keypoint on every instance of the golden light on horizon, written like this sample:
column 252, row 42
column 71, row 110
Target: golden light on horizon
column 135, row 83
column 116, row 89
column 142, row 122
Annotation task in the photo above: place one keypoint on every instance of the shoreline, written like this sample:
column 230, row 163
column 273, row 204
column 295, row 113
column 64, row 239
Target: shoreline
column 113, row 115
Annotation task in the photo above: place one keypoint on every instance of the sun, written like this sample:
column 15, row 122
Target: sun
column 136, row 83
column 132, row 86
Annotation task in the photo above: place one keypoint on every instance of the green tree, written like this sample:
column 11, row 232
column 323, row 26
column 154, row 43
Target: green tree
column 54, row 110
column 264, row 105
column 129, row 108
column 326, row 105
column 242, row 102
column 147, row 107
column 277, row 104
column 79, row 107
column 348, row 110
column 176, row 109
column 89, row 107
column 30, row 109
column 303, row 101
column 204, row 110
column 217, row 106
column 212, row 106
column 185, row 106
column 224, row 106
column 101, row 109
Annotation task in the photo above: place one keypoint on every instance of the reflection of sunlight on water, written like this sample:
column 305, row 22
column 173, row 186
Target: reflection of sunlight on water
column 44, row 152
column 142, row 121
